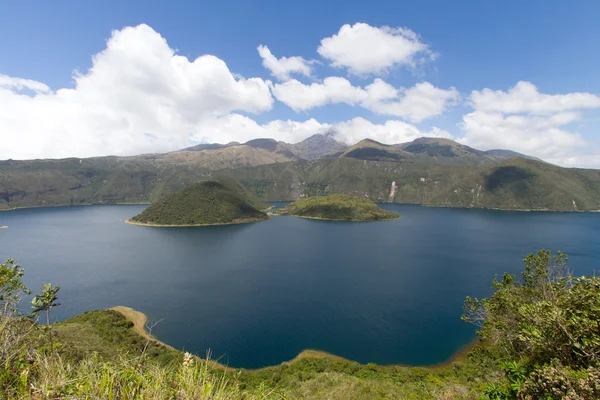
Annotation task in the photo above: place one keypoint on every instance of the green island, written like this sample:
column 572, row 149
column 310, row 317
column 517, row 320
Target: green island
column 538, row 339
column 337, row 207
column 219, row 201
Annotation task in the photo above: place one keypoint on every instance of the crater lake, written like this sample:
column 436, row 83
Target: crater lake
column 388, row 292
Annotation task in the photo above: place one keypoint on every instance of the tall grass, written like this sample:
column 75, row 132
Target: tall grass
column 51, row 377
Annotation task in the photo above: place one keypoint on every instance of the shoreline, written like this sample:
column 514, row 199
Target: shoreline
column 335, row 220
column 240, row 222
column 76, row 205
column 272, row 207
column 139, row 320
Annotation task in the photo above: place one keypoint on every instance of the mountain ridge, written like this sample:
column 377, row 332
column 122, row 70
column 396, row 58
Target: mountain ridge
column 270, row 170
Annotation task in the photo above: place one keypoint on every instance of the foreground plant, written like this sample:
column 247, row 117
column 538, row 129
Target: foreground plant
column 547, row 319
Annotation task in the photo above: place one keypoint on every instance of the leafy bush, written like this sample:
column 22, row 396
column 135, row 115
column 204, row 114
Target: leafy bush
column 546, row 321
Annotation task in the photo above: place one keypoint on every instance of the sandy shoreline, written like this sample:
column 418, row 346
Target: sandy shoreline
column 139, row 320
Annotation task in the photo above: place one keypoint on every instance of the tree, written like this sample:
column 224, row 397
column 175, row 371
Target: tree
column 46, row 300
column 12, row 287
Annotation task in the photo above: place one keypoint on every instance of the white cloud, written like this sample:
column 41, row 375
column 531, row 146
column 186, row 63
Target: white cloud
column 390, row 132
column 235, row 127
column 524, row 120
column 301, row 97
column 537, row 136
column 365, row 49
column 588, row 159
column 415, row 104
column 138, row 96
column 524, row 97
column 282, row 68
column 8, row 82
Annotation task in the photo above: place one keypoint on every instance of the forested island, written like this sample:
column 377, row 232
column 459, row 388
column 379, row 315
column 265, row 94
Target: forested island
column 212, row 202
column 337, row 207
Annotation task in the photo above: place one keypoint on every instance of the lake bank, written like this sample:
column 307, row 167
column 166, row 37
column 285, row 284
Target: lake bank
column 140, row 321
column 238, row 222
column 333, row 220
column 290, row 201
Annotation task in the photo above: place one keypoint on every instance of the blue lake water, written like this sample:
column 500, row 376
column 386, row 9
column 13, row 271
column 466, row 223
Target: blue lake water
column 387, row 292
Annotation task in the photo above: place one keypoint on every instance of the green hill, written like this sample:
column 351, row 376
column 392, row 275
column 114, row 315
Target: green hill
column 425, row 171
column 525, row 184
column 337, row 207
column 222, row 201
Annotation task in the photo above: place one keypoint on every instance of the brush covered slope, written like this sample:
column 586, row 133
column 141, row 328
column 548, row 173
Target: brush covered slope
column 213, row 202
column 337, row 207
column 525, row 184
column 435, row 172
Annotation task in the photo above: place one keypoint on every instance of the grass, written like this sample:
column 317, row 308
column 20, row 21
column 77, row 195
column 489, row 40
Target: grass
column 426, row 177
column 337, row 207
column 111, row 352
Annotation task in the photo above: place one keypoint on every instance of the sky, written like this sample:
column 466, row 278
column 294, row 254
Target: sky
column 81, row 79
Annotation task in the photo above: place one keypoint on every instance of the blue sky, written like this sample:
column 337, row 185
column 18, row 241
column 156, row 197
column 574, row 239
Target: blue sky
column 469, row 46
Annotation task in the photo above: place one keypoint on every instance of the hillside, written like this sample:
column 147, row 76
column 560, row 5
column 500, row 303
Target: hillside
column 524, row 184
column 509, row 154
column 205, row 203
column 337, row 207
column 427, row 174
column 445, row 151
column 102, row 352
column 370, row 150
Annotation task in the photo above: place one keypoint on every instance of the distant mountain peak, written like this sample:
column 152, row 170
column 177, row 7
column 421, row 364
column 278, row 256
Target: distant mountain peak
column 317, row 146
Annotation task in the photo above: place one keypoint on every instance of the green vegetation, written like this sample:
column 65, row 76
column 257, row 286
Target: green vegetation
column 434, row 172
column 524, row 184
column 540, row 339
column 222, row 201
column 337, row 207
column 544, row 330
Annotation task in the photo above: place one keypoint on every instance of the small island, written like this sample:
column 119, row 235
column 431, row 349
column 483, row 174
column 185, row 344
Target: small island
column 337, row 207
column 3, row 226
column 221, row 201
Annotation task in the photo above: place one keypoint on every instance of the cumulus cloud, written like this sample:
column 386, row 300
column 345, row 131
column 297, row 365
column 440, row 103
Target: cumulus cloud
column 282, row 68
column 241, row 128
column 390, row 132
column 301, row 97
column 364, row 49
column 415, row 104
column 524, row 97
column 8, row 82
column 138, row 96
column 525, row 120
